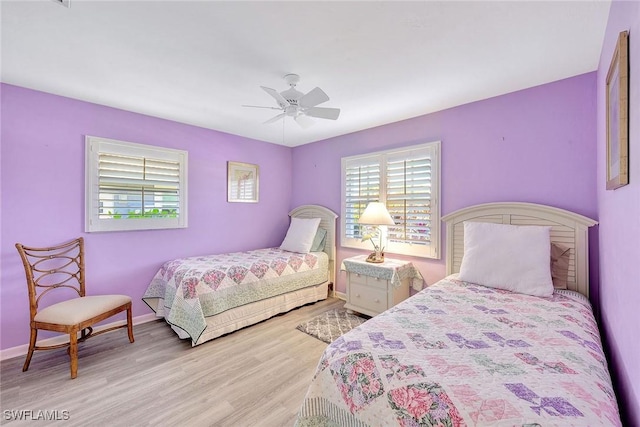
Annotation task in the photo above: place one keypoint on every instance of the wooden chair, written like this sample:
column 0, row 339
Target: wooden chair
column 62, row 267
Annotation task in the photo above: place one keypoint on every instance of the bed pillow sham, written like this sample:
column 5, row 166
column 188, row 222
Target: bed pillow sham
column 510, row 257
column 319, row 240
column 300, row 235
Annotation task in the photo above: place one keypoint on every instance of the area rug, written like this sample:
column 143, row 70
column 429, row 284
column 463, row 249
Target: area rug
column 331, row 324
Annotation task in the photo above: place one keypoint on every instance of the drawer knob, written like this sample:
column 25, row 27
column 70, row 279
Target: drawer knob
column 357, row 295
column 377, row 300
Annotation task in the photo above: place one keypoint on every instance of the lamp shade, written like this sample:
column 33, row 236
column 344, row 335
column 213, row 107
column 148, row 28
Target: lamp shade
column 376, row 213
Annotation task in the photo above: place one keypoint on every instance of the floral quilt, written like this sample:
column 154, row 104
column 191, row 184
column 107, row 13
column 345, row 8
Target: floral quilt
column 458, row 354
column 191, row 289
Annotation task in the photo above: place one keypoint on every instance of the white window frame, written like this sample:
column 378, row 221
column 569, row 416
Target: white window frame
column 94, row 146
column 424, row 251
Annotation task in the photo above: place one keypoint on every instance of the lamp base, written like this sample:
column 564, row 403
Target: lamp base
column 376, row 257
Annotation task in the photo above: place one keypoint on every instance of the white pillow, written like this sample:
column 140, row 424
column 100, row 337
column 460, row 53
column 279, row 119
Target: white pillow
column 511, row 257
column 300, row 235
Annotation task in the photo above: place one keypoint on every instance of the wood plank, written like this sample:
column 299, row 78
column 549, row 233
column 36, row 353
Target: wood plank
column 255, row 376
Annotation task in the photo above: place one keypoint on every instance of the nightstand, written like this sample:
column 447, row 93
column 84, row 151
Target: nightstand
column 373, row 288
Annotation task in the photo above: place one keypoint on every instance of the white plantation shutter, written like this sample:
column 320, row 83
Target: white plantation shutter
column 409, row 198
column 361, row 186
column 134, row 187
column 407, row 181
column 138, row 187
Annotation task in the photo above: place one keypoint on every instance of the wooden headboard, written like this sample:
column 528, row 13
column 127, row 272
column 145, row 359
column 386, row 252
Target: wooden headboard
column 568, row 229
column 328, row 222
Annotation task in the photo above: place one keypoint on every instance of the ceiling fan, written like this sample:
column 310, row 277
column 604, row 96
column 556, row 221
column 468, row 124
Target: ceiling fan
column 298, row 105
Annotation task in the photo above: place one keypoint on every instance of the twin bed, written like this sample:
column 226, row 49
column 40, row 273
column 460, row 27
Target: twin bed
column 205, row 297
column 462, row 354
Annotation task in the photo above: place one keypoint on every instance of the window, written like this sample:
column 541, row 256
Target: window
column 408, row 181
column 133, row 186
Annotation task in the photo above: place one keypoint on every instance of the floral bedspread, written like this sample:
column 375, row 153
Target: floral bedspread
column 191, row 289
column 458, row 354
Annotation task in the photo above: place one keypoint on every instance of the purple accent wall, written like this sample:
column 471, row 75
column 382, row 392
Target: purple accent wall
column 42, row 183
column 541, row 145
column 619, row 212
column 536, row 145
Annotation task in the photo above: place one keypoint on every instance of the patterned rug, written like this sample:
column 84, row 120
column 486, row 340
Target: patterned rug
column 331, row 324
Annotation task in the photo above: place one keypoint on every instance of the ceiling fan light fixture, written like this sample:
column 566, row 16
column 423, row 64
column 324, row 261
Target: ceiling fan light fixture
column 292, row 110
column 298, row 105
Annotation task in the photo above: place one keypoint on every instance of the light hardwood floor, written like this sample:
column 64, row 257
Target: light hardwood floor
column 253, row 377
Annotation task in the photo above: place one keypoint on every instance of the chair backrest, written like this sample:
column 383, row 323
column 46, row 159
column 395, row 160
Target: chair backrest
column 51, row 268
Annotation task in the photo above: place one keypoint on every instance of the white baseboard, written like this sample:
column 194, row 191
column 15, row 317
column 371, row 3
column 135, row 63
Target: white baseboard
column 21, row 350
column 340, row 295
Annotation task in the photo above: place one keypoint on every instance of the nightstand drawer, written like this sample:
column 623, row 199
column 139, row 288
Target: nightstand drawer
column 367, row 293
column 368, row 281
column 364, row 296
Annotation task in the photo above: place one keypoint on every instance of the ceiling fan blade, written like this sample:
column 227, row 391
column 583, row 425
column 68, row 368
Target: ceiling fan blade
column 260, row 106
column 304, row 121
column 279, row 98
column 275, row 118
column 323, row 113
column 314, row 97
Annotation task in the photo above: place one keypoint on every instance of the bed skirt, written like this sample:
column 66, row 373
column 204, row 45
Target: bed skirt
column 252, row 313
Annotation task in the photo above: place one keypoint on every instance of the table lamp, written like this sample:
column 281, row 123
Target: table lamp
column 376, row 215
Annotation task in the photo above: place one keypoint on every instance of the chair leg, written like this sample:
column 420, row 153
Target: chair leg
column 32, row 347
column 73, row 353
column 130, row 325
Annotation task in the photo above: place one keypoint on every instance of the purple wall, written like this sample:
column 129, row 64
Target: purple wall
column 535, row 145
column 540, row 145
column 42, row 178
column 619, row 212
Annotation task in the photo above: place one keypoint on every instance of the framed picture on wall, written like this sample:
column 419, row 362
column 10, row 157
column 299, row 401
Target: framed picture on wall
column 242, row 182
column 618, row 115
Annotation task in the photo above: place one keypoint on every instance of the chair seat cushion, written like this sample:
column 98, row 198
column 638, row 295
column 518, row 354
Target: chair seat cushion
column 77, row 310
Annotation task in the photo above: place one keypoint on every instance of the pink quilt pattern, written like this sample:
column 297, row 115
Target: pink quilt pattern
column 191, row 289
column 458, row 354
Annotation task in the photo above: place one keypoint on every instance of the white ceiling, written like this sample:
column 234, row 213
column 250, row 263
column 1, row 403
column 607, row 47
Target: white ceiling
column 197, row 62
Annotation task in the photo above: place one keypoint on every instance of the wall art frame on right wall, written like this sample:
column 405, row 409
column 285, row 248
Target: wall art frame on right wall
column 618, row 115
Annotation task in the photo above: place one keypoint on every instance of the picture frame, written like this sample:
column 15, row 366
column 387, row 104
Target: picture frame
column 618, row 115
column 242, row 182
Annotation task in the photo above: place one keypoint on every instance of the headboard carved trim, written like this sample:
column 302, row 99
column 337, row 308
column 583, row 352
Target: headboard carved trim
column 328, row 222
column 568, row 229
